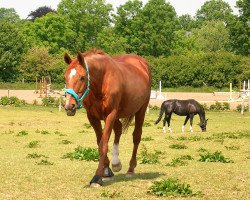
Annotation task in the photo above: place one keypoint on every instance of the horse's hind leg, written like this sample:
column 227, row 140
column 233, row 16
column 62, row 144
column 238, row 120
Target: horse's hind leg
column 139, row 119
column 191, row 122
column 185, row 122
column 116, row 163
column 168, row 118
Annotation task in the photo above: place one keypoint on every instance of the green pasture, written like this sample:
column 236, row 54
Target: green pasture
column 34, row 139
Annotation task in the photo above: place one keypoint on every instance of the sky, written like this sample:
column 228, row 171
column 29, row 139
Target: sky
column 24, row 7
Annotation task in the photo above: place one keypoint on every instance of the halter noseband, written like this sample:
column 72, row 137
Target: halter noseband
column 73, row 93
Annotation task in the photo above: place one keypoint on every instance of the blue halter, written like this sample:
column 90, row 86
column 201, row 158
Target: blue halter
column 73, row 93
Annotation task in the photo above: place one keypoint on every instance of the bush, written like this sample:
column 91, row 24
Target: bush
column 50, row 101
column 220, row 106
column 12, row 101
column 214, row 157
column 81, row 153
column 171, row 187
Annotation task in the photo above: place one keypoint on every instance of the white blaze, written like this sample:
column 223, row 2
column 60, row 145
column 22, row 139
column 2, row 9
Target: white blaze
column 72, row 73
column 115, row 154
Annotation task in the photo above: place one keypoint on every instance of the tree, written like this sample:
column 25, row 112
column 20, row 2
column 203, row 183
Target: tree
column 9, row 14
column 213, row 36
column 240, row 29
column 12, row 48
column 110, row 42
column 124, row 19
column 186, row 22
column 39, row 12
column 52, row 31
column 88, row 18
column 148, row 30
column 214, row 10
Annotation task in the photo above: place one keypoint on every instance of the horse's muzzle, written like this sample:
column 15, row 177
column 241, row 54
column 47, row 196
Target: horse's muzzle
column 71, row 111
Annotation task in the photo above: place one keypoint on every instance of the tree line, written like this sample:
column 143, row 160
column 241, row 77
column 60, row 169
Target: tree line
column 210, row 48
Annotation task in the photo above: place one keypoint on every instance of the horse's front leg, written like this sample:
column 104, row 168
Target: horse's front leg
column 185, row 122
column 103, row 150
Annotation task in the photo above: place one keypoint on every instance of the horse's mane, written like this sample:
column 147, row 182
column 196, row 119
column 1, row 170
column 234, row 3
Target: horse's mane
column 94, row 51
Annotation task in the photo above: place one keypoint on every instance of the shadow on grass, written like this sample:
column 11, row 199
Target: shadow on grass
column 122, row 178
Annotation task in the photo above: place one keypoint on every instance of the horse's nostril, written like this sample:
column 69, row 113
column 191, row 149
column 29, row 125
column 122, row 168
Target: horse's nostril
column 73, row 106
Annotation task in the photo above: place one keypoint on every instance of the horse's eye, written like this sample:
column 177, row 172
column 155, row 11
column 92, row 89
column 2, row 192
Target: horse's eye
column 82, row 78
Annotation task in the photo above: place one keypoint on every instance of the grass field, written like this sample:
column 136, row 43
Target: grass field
column 34, row 139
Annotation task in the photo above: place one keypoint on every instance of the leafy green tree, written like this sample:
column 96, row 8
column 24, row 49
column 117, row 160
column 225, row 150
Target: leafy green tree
column 12, row 48
column 52, row 31
column 124, row 18
column 186, row 22
column 39, row 62
column 39, row 12
column 213, row 36
column 35, row 63
column 214, row 10
column 9, row 14
column 88, row 18
column 240, row 29
column 150, row 30
column 110, row 42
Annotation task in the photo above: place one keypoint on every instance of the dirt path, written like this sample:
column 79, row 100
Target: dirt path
column 209, row 98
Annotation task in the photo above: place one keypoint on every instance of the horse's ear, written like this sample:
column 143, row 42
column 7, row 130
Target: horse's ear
column 80, row 58
column 67, row 59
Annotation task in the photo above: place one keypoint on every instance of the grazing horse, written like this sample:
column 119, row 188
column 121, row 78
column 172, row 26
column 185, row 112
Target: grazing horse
column 188, row 108
column 113, row 89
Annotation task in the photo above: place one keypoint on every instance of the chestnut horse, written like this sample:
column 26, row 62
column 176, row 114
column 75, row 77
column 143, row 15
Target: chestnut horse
column 113, row 89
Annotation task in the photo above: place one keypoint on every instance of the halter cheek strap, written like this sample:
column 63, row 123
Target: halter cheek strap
column 73, row 93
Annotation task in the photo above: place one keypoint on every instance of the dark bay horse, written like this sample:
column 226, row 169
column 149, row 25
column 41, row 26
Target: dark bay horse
column 188, row 108
column 113, row 89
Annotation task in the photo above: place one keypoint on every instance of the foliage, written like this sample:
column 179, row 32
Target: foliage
column 240, row 29
column 35, row 155
column 81, row 153
column 211, row 37
column 239, row 108
column 214, row 10
column 12, row 101
column 50, row 101
column 65, row 142
column 214, row 157
column 171, row 187
column 33, row 144
column 52, row 31
column 149, row 158
column 39, row 12
column 220, row 106
column 22, row 133
column 215, row 69
column 9, row 14
column 177, row 146
column 111, row 195
column 147, row 138
column 45, row 162
column 88, row 18
column 12, row 48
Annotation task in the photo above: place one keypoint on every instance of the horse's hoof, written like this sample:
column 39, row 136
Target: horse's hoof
column 117, row 167
column 95, row 185
column 108, row 172
column 130, row 174
column 96, row 181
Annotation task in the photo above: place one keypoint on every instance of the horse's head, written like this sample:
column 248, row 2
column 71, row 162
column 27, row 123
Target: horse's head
column 203, row 125
column 77, row 82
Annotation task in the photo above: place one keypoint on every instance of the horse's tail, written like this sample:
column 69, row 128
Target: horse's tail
column 125, row 123
column 160, row 115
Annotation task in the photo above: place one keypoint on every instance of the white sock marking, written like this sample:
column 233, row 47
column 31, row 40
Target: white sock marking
column 115, row 154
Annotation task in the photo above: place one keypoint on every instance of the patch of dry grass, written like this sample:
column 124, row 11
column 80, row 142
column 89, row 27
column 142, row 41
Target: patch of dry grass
column 23, row 178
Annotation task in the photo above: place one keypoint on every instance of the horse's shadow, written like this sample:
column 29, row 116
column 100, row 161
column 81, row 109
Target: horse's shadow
column 122, row 178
